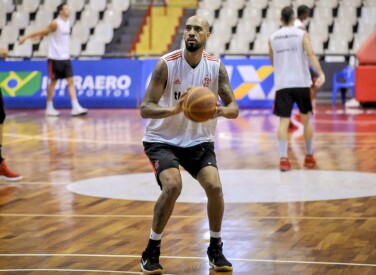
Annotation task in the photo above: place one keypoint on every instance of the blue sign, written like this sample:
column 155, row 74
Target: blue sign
column 252, row 81
column 121, row 83
column 108, row 83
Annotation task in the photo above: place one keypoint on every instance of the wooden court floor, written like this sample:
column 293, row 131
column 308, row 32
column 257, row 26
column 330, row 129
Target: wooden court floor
column 47, row 229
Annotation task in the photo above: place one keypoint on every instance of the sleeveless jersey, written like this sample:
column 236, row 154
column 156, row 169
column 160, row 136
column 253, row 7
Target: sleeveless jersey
column 291, row 68
column 59, row 41
column 177, row 130
column 299, row 24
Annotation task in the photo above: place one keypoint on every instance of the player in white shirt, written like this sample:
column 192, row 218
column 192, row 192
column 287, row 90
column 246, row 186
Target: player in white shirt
column 59, row 64
column 172, row 140
column 303, row 17
column 289, row 50
column 304, row 13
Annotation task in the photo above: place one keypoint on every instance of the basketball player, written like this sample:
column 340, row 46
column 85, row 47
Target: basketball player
column 301, row 21
column 171, row 139
column 59, row 64
column 289, row 48
column 5, row 172
column 303, row 16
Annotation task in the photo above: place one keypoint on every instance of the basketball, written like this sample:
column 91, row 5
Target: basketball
column 199, row 104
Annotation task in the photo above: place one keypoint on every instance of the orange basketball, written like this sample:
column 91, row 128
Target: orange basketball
column 199, row 104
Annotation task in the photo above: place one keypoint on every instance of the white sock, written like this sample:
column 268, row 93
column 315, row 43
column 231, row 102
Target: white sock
column 154, row 236
column 308, row 146
column 283, row 148
column 215, row 234
column 50, row 105
column 75, row 104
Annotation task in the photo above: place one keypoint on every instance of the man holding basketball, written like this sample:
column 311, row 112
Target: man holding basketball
column 171, row 139
column 289, row 48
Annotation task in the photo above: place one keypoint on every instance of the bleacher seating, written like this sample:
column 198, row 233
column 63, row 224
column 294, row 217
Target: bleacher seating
column 238, row 26
column 91, row 21
column 336, row 27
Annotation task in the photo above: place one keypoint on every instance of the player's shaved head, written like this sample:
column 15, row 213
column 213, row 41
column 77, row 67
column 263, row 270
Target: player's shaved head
column 198, row 20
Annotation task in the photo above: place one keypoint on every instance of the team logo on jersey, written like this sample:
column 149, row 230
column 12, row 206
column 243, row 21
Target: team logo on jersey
column 20, row 83
column 206, row 81
column 177, row 81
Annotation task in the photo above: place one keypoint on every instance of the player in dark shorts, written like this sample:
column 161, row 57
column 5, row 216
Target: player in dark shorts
column 5, row 172
column 292, row 82
column 59, row 64
column 171, row 140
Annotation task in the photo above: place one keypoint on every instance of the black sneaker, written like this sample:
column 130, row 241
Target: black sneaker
column 150, row 261
column 217, row 260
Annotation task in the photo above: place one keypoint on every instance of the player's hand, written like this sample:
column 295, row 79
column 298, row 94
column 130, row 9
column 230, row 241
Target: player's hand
column 3, row 52
column 179, row 107
column 218, row 110
column 21, row 40
column 320, row 81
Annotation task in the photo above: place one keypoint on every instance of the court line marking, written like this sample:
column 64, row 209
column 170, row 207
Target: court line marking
column 334, row 121
column 71, row 270
column 25, row 138
column 190, row 258
column 9, row 183
column 183, row 216
column 46, row 138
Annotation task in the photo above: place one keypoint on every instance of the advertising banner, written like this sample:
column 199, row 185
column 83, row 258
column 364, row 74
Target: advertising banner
column 111, row 83
column 121, row 83
column 252, row 81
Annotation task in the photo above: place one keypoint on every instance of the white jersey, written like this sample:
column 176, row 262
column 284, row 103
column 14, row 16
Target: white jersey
column 177, row 130
column 291, row 69
column 59, row 41
column 299, row 24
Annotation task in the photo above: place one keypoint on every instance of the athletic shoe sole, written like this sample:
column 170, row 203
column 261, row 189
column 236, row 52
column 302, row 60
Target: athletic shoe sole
column 144, row 271
column 221, row 268
column 80, row 114
column 12, row 179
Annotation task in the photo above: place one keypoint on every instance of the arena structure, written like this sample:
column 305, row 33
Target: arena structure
column 115, row 45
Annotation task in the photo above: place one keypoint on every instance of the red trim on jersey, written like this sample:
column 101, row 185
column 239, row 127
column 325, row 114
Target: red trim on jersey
column 173, row 56
column 211, row 57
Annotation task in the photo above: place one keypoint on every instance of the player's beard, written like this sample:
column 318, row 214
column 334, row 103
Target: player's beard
column 192, row 47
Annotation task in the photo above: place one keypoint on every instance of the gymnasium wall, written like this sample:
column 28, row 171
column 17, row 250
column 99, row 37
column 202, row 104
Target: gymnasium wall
column 121, row 83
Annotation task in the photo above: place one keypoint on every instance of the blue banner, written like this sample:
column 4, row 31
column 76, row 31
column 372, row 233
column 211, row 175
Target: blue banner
column 121, row 83
column 111, row 83
column 252, row 81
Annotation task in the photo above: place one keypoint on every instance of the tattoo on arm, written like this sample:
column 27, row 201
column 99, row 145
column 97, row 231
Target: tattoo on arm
column 158, row 72
column 224, row 88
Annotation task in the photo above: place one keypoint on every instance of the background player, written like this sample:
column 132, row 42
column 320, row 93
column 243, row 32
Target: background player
column 289, row 48
column 59, row 64
column 5, row 172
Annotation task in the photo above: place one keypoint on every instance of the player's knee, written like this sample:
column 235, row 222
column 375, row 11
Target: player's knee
column 2, row 116
column 172, row 185
column 305, row 118
column 172, row 190
column 214, row 190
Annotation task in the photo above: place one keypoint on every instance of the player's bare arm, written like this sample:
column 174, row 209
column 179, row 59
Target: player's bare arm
column 3, row 52
column 150, row 107
column 39, row 34
column 271, row 53
column 230, row 108
column 313, row 59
